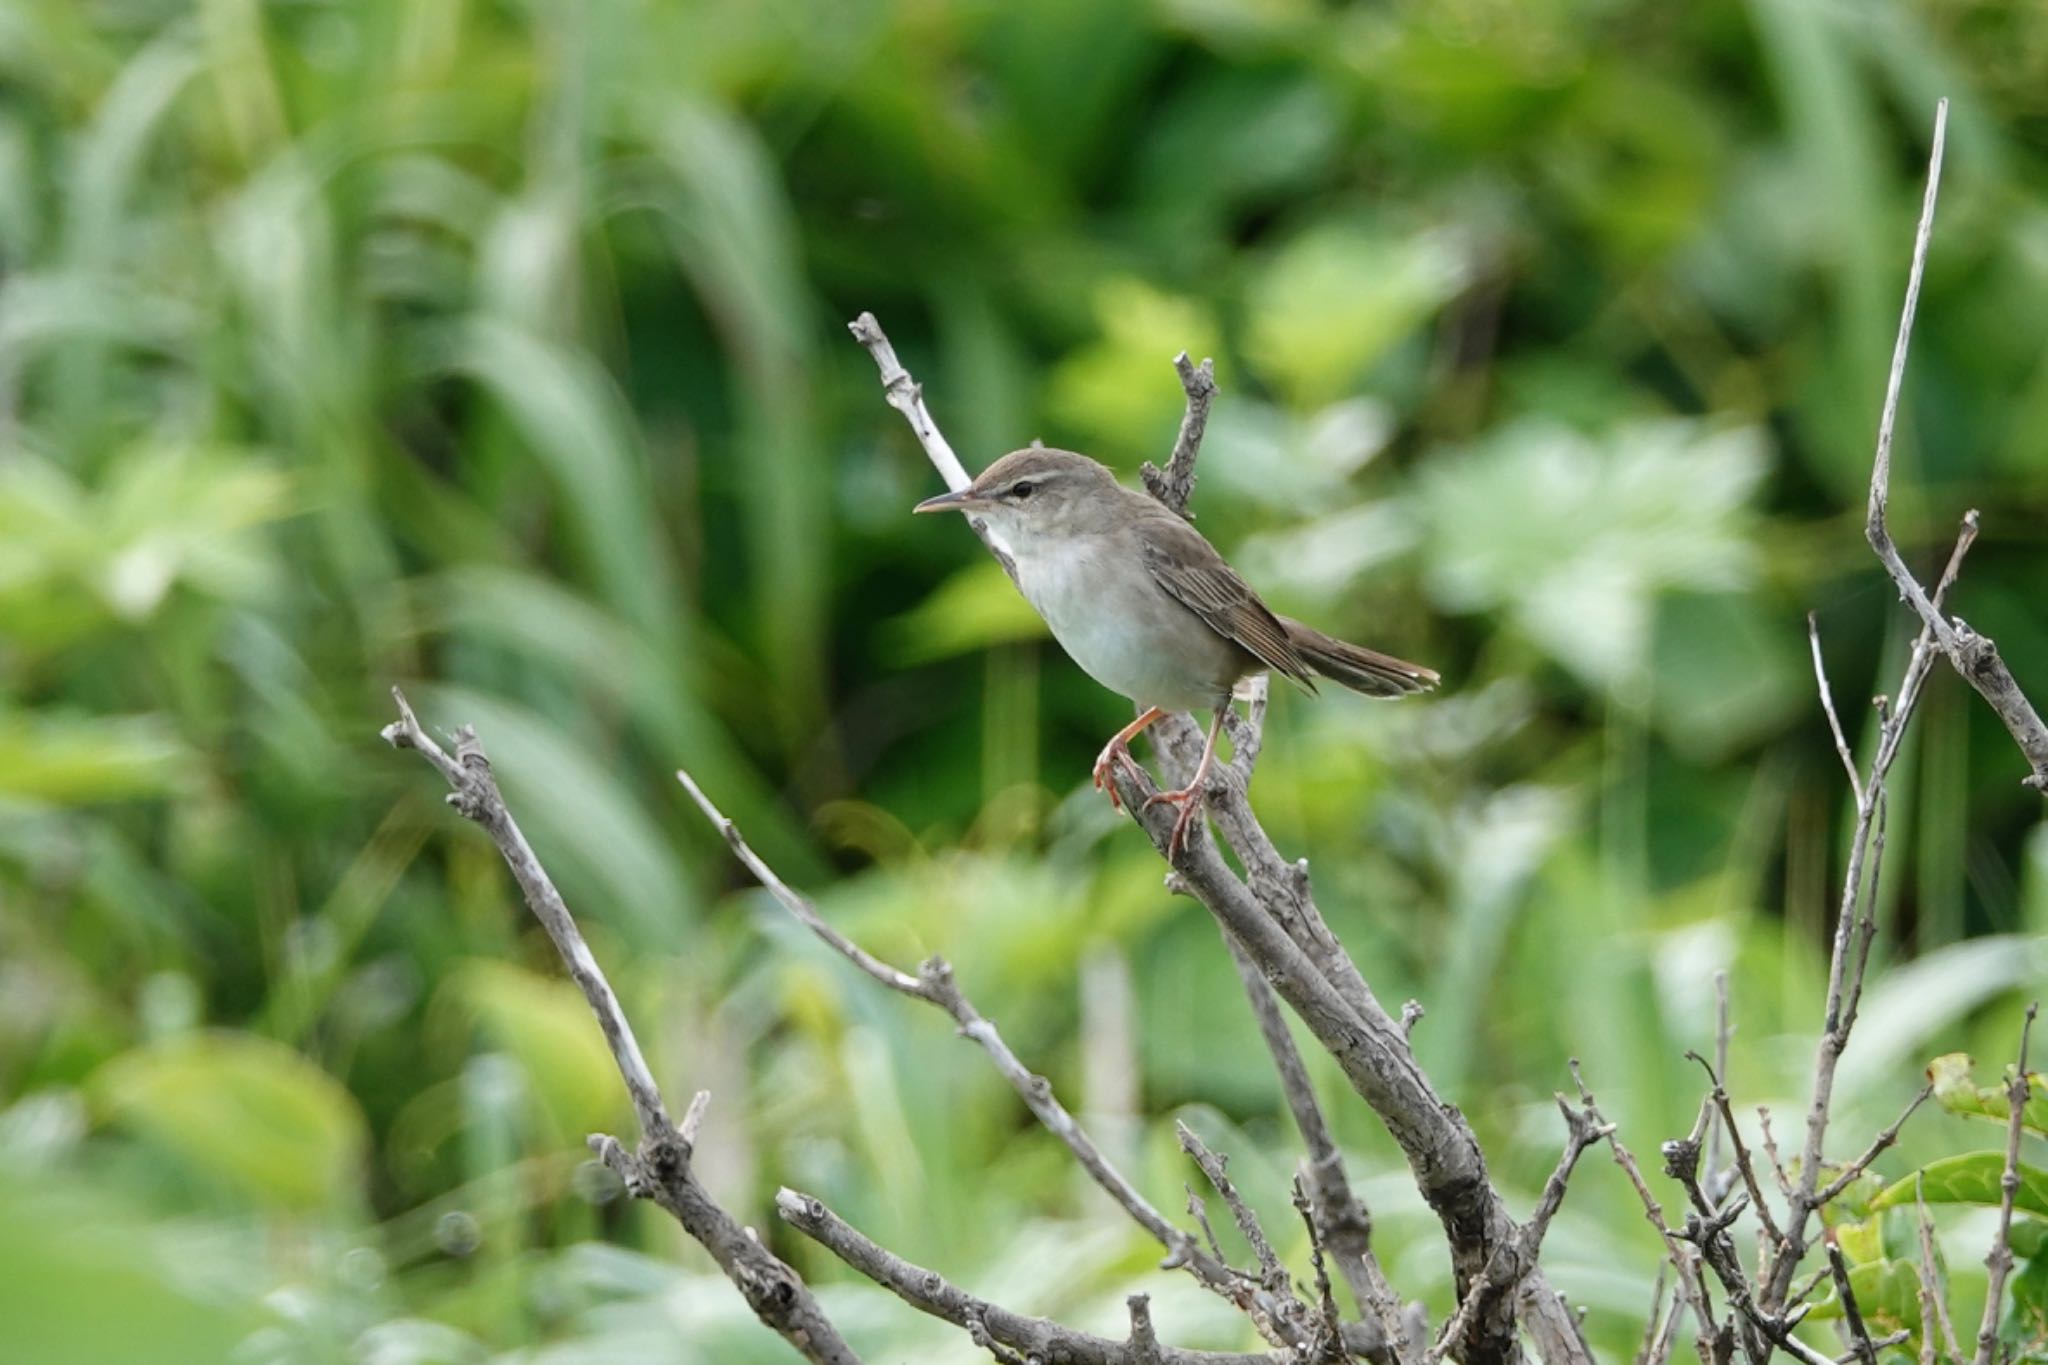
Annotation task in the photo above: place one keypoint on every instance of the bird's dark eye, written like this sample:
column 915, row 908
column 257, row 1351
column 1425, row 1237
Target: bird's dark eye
column 1022, row 488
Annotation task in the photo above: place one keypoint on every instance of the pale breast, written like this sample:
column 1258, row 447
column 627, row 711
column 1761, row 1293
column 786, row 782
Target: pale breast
column 1123, row 629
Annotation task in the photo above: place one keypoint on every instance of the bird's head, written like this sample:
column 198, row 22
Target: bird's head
column 1035, row 493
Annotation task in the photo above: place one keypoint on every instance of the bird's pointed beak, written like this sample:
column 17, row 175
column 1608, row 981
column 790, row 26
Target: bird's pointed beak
column 959, row 500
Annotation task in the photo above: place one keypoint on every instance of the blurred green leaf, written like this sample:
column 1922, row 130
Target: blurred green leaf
column 1575, row 537
column 976, row 607
column 1887, row 1295
column 247, row 1111
column 85, row 1278
column 1332, row 302
column 1971, row 1178
column 1110, row 390
column 548, row 1027
column 80, row 760
column 1957, row 1091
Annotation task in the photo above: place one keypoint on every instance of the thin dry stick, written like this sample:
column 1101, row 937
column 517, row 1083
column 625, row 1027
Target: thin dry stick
column 934, row 985
column 1929, row 1270
column 1177, row 484
column 1681, row 1257
column 1974, row 656
column 1214, row 1168
column 1877, row 1146
column 1583, row 1129
column 661, row 1170
column 1852, row 1312
column 1827, row 704
column 1341, row 1219
column 1998, row 1261
column 1722, row 1030
column 1718, row 1097
column 1035, row 1338
column 1854, row 934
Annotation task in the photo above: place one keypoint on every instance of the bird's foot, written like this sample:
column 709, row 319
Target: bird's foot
column 1189, row 799
column 1115, row 752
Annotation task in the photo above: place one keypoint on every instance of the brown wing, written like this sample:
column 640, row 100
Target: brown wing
column 1189, row 568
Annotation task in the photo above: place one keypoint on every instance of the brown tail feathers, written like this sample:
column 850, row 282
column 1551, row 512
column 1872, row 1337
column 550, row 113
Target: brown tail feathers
column 1360, row 669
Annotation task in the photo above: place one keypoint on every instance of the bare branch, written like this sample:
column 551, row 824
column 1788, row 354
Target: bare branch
column 934, row 984
column 1929, row 1285
column 1337, row 1215
column 1177, row 484
column 661, row 1169
column 1682, row 1258
column 1718, row 1096
column 1998, row 1261
column 1515, row 1257
column 1974, row 656
column 1852, row 1313
column 906, row 395
column 1878, row 1144
column 1272, row 1275
column 929, row 1292
column 1827, row 704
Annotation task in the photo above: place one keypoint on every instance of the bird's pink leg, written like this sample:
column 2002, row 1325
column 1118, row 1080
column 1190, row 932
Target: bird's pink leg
column 1119, row 747
column 1189, row 798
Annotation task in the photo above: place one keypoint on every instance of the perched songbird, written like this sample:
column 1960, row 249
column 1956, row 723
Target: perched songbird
column 1146, row 606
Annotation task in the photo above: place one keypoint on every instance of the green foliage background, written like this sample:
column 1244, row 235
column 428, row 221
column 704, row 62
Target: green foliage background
column 496, row 349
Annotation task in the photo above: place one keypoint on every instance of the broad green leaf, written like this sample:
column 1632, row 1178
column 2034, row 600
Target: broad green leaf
column 245, row 1110
column 2029, row 1318
column 1862, row 1243
column 1971, row 1178
column 1887, row 1295
column 1957, row 1091
column 548, row 1027
column 2029, row 1237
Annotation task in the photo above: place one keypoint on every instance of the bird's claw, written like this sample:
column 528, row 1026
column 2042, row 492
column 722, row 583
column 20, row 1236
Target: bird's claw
column 1105, row 771
column 1189, row 799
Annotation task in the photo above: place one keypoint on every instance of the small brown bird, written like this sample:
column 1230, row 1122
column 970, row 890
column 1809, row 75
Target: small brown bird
column 1146, row 605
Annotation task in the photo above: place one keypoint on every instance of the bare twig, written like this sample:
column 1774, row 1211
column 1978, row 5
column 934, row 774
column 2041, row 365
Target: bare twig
column 660, row 1170
column 1998, row 1261
column 1827, row 704
column 1326, row 1298
column 1852, row 1313
column 1877, row 1145
column 1930, row 1269
column 1716, row 1181
column 1718, row 1096
column 906, row 395
column 1974, row 656
column 934, row 984
column 1657, row 1328
column 1177, row 484
column 1339, row 1217
column 1583, row 1128
column 1144, row 1341
column 1272, row 1275
column 1034, row 1338
column 1682, row 1258
column 1855, row 928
